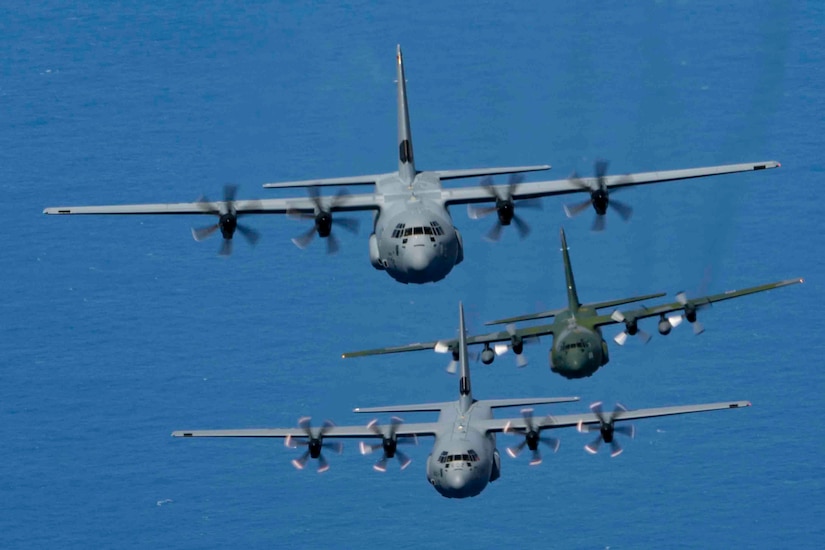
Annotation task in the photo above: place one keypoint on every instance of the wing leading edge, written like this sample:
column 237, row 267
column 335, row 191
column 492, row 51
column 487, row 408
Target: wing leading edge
column 259, row 206
column 694, row 303
column 570, row 420
column 345, row 432
column 532, row 190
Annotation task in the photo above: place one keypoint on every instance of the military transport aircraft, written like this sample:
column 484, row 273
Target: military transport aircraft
column 413, row 239
column 464, row 458
column 578, row 348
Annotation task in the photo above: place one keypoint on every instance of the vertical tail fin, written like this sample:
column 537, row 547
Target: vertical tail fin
column 406, row 165
column 572, row 296
column 465, row 398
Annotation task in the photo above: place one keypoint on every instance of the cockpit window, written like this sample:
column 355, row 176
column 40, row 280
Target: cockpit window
column 431, row 230
column 398, row 231
column 471, row 456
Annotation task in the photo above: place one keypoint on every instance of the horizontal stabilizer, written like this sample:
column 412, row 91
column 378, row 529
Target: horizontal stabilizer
column 350, row 180
column 498, row 403
column 623, row 301
column 528, row 317
column 419, row 407
column 478, row 172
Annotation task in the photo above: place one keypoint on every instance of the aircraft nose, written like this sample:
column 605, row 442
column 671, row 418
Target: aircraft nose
column 419, row 258
column 574, row 361
column 455, row 479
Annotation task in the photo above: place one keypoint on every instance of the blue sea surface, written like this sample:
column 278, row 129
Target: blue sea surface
column 117, row 330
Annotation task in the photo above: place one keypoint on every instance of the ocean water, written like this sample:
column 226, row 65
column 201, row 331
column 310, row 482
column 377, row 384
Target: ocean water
column 118, row 330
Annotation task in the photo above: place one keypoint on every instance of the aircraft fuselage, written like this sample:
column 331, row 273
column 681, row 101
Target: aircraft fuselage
column 464, row 460
column 414, row 239
column 578, row 350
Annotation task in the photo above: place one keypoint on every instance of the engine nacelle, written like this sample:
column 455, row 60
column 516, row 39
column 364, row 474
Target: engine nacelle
column 600, row 200
column 375, row 258
column 323, row 223
column 460, row 257
column 228, row 223
column 505, row 209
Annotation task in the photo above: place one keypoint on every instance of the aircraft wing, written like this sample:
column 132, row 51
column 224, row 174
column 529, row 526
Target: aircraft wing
column 366, row 201
column 444, row 346
column 519, row 424
column 532, row 190
column 644, row 312
column 345, row 432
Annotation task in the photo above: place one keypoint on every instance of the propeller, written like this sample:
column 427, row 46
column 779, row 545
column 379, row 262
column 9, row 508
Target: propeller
column 444, row 346
column 389, row 444
column 227, row 220
column 599, row 198
column 690, row 313
column 516, row 344
column 314, row 444
column 666, row 324
column 323, row 220
column 532, row 437
column 631, row 329
column 504, row 207
column 606, row 429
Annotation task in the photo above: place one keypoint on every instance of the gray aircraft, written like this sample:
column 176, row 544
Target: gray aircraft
column 464, row 458
column 413, row 239
column 579, row 349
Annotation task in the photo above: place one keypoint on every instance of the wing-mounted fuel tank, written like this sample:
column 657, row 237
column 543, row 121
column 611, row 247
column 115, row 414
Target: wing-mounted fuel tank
column 460, row 256
column 495, row 473
column 375, row 257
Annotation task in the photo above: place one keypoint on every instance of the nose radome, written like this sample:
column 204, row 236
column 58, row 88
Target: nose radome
column 574, row 361
column 455, row 479
column 419, row 258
